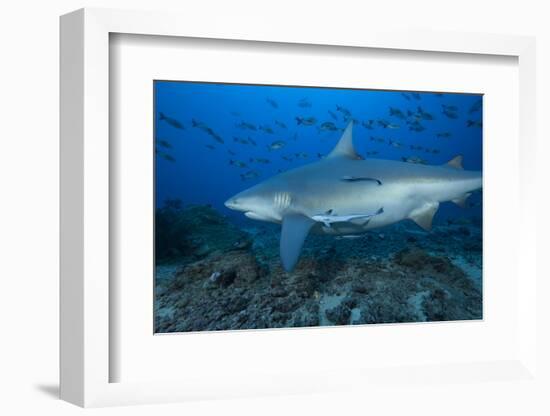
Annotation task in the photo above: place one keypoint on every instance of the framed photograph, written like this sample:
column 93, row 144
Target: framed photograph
column 244, row 214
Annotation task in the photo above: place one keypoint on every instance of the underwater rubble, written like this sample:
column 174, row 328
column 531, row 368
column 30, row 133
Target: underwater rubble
column 213, row 275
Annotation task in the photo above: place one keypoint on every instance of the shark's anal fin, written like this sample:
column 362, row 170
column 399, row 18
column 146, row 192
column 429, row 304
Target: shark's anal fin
column 293, row 234
column 461, row 201
column 424, row 215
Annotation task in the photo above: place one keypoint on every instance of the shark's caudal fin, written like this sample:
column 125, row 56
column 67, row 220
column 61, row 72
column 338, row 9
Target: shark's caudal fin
column 424, row 215
column 293, row 234
column 344, row 147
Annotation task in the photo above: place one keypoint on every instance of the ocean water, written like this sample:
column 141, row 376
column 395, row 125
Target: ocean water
column 214, row 140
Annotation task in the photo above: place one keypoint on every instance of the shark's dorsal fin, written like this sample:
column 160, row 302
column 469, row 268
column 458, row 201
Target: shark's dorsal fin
column 293, row 234
column 424, row 215
column 455, row 162
column 344, row 147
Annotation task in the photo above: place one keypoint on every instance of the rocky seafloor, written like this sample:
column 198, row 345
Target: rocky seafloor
column 213, row 275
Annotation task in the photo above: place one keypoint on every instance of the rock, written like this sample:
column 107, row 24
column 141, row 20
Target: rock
column 464, row 230
column 339, row 315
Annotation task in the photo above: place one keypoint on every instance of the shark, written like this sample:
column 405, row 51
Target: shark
column 329, row 196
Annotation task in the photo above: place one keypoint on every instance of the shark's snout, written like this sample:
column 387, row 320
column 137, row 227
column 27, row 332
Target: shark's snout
column 231, row 203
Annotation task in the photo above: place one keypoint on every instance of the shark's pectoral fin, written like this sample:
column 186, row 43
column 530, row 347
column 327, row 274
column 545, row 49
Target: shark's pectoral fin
column 461, row 201
column 424, row 215
column 293, row 234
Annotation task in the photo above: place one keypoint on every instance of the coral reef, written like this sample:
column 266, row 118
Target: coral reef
column 213, row 275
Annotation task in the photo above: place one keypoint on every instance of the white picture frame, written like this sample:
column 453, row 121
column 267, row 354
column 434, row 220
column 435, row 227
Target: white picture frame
column 85, row 211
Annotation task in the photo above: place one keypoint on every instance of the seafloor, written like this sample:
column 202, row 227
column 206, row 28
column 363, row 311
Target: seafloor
column 213, row 275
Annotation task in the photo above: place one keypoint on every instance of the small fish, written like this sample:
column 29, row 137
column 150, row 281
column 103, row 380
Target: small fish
column 199, row 125
column 406, row 96
column 414, row 116
column 217, row 137
column 416, row 127
column 276, row 145
column 240, row 140
column 164, row 143
column 377, row 139
column 304, row 103
column 393, row 126
column 168, row 157
column 272, row 102
column 319, row 156
column 280, row 124
column 252, row 141
column 344, row 111
column 306, row 121
column 237, row 163
column 211, row 146
column 368, row 124
column 395, row 144
column 444, row 135
column 474, row 123
column 416, row 96
column 260, row 160
column 450, row 114
column 231, row 152
column 246, row 126
column 450, row 107
column 287, row 158
column 266, row 129
column 171, row 121
column 334, row 116
column 396, row 112
column 301, row 155
column 438, row 94
column 475, row 107
column 414, row 159
column 383, row 123
column 328, row 126
column 424, row 115
column 251, row 174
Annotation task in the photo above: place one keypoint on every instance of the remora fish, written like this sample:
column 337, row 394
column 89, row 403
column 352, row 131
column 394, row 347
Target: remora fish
column 408, row 191
column 330, row 217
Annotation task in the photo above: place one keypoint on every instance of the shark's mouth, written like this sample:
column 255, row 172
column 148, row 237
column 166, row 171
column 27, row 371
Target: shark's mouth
column 255, row 216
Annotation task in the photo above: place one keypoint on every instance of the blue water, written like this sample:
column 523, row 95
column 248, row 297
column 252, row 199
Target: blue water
column 191, row 165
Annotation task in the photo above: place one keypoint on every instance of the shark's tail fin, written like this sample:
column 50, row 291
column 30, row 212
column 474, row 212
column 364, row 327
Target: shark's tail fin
column 162, row 116
column 298, row 120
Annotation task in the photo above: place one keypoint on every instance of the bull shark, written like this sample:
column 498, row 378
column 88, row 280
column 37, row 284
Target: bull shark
column 381, row 191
